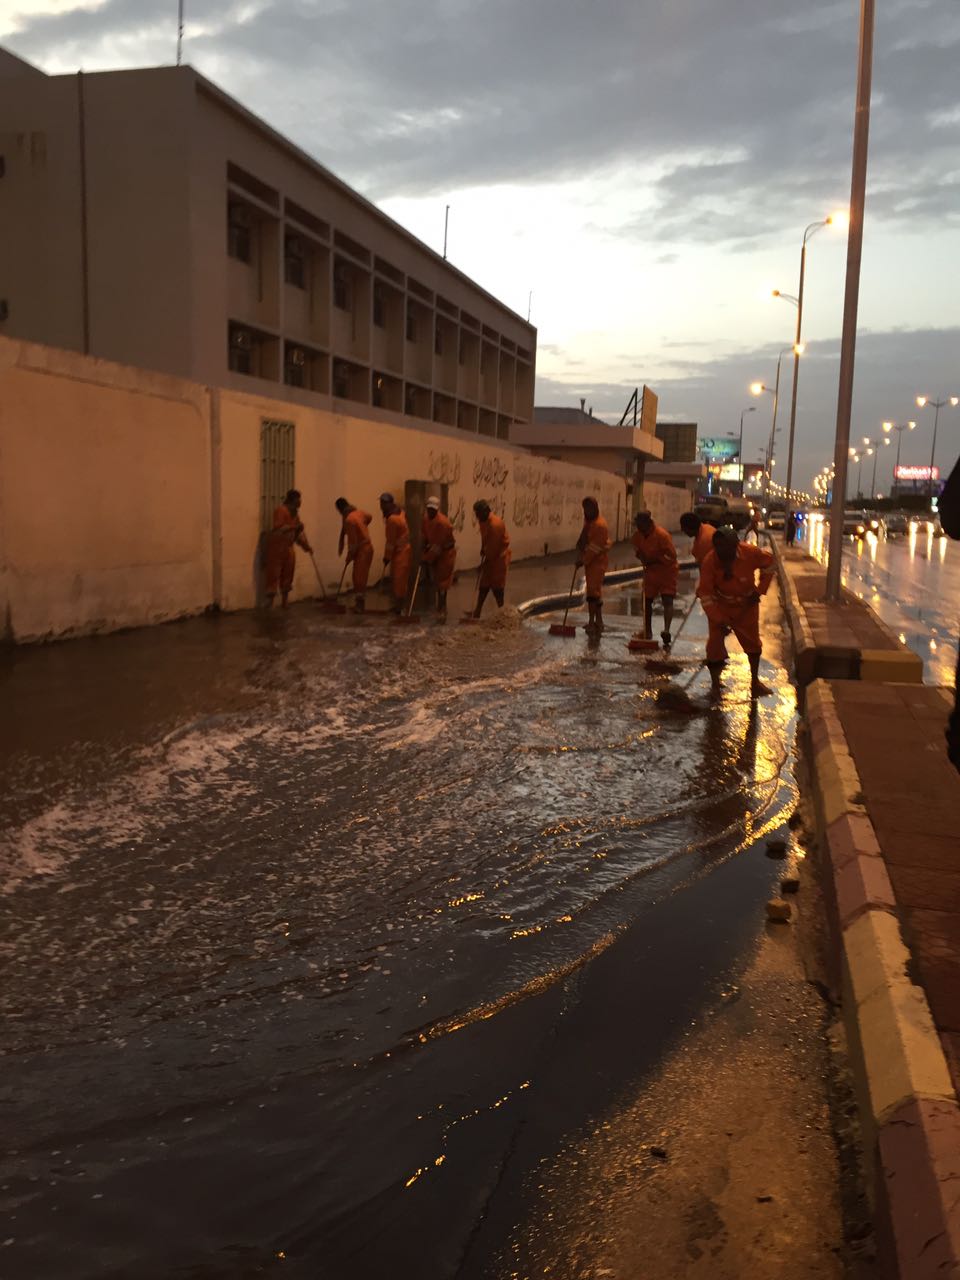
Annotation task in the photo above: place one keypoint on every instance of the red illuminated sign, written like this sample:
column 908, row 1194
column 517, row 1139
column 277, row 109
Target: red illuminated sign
column 916, row 473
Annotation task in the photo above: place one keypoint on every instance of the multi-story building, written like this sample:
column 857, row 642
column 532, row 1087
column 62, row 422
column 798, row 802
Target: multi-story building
column 148, row 218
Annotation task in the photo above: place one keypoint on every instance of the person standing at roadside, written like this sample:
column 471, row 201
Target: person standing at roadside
column 355, row 536
column 397, row 551
column 287, row 532
column 655, row 549
column 494, row 555
column 593, row 547
column 949, row 512
column 439, row 552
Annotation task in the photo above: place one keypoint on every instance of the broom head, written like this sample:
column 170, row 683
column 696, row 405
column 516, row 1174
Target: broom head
column 640, row 644
column 562, row 629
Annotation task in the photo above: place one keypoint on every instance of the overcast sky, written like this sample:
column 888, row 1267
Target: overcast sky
column 645, row 167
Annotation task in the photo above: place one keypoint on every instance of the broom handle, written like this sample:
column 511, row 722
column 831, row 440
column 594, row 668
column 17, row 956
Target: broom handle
column 693, row 605
column 416, row 588
column 342, row 576
column 573, row 581
column 323, row 589
column 479, row 576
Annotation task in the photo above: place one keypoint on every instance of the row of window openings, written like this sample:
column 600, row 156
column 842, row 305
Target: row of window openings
column 295, row 273
column 241, row 360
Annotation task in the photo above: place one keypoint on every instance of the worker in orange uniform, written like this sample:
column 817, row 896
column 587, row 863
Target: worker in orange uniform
column 702, row 534
column 397, row 551
column 439, row 552
column 730, row 594
column 494, row 555
column 593, row 546
column 354, row 534
column 281, row 561
column 655, row 549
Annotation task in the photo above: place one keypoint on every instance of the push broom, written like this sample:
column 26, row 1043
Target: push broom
column 561, row 628
column 468, row 619
column 334, row 605
column 331, row 606
column 410, row 616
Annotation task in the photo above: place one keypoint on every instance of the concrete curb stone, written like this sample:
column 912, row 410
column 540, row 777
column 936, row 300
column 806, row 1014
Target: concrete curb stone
column 909, row 1108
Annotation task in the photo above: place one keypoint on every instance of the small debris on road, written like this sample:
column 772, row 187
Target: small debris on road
column 779, row 911
column 776, row 848
column 790, row 884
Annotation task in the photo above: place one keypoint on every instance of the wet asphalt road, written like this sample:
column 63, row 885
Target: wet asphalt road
column 912, row 582
column 319, row 939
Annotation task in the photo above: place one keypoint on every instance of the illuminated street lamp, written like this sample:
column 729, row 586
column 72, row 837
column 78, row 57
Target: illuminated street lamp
column 838, row 219
column 875, row 449
column 743, row 472
column 899, row 428
column 924, row 402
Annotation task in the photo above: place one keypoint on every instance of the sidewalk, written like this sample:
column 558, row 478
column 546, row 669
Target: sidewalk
column 888, row 811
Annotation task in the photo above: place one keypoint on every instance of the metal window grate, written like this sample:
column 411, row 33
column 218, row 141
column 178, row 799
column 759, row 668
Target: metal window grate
column 277, row 443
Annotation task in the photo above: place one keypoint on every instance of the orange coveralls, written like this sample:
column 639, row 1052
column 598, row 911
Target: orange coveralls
column 440, row 549
column 659, row 557
column 398, row 553
column 595, row 543
column 359, row 547
column 702, row 546
column 281, row 560
column 495, row 548
column 724, row 599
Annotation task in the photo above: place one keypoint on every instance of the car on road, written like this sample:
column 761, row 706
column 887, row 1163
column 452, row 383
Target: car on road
column 857, row 524
column 775, row 520
column 895, row 524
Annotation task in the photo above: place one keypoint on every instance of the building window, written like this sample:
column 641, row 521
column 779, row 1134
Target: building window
column 341, row 380
column 379, row 318
column 341, row 288
column 377, row 390
column 240, row 349
column 438, row 340
column 295, row 367
column 294, row 262
column 239, row 228
column 411, row 325
column 277, row 444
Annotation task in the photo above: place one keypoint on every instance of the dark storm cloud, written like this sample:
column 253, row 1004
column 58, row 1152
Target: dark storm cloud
column 891, row 369
column 741, row 110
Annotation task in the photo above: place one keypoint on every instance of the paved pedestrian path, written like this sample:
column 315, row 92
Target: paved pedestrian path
column 912, row 797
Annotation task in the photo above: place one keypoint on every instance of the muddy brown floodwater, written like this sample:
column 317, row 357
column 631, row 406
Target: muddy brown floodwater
column 317, row 936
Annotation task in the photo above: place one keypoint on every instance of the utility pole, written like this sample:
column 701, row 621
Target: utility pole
column 446, row 224
column 851, row 297
column 179, row 32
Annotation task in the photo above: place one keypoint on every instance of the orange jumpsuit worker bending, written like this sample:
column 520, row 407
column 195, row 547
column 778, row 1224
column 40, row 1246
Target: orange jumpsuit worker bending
column 354, row 533
column 397, row 551
column 281, row 560
column 593, row 545
column 439, row 552
column 730, row 595
column 654, row 547
column 494, row 555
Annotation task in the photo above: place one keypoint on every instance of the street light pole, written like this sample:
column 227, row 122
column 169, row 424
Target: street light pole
column 851, row 298
column 743, row 473
column 922, row 403
column 812, row 230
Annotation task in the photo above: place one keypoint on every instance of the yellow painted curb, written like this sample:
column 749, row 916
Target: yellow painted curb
column 875, row 953
column 901, row 1049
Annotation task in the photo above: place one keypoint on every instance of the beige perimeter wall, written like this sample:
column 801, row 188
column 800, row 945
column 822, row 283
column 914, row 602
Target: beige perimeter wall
column 128, row 498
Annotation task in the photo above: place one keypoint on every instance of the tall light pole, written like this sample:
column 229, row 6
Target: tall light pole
column 758, row 388
column 899, row 428
column 809, row 232
column 874, row 448
column 743, row 473
column 851, row 296
column 858, row 459
column 924, row 402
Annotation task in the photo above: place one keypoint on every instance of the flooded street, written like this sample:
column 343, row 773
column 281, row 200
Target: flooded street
column 318, row 936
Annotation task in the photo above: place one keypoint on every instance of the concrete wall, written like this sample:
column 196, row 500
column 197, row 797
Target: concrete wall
column 666, row 503
column 129, row 497
column 357, row 458
column 105, row 495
